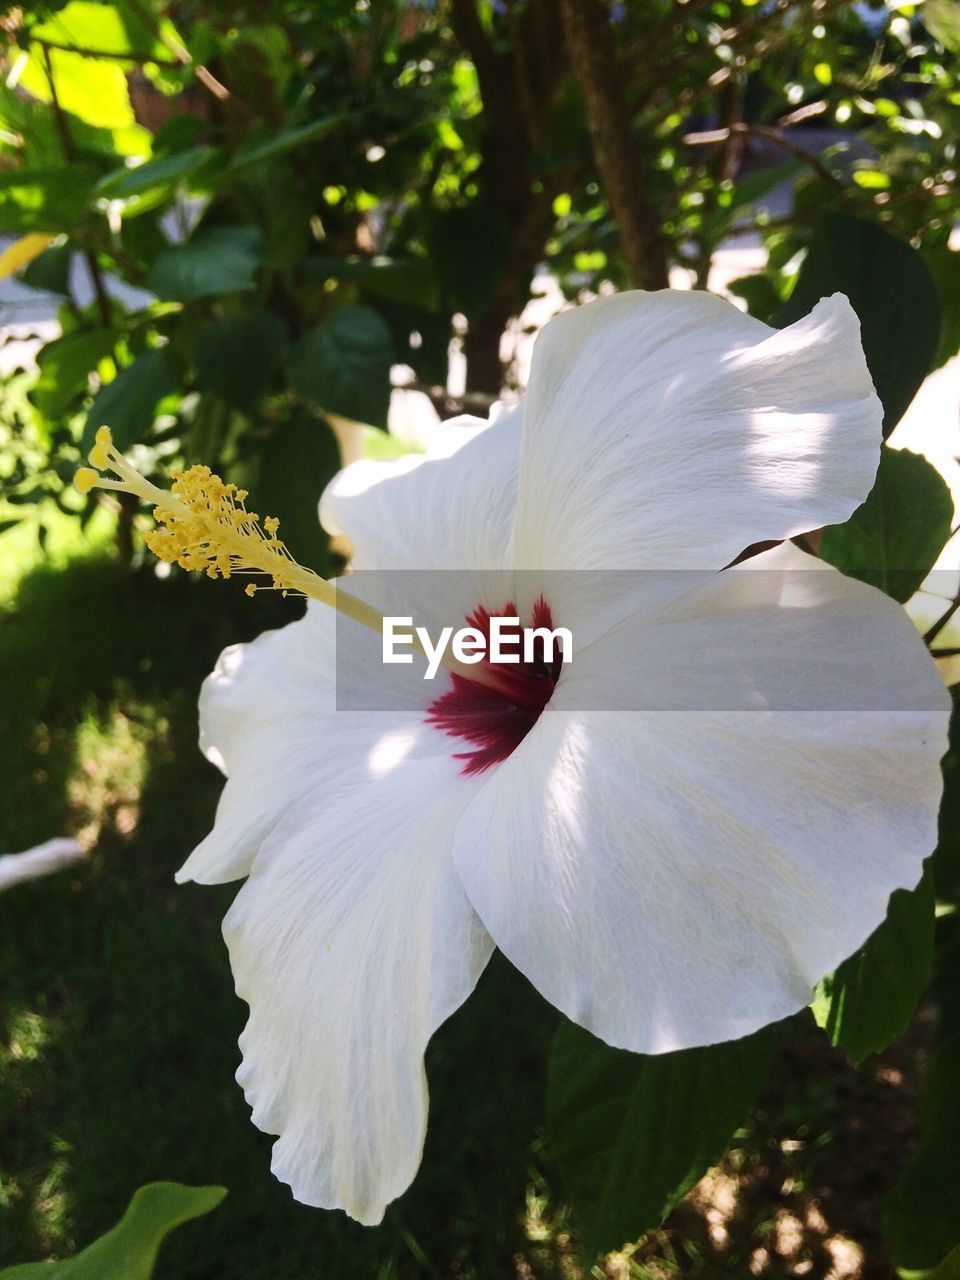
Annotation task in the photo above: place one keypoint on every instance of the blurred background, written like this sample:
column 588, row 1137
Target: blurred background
column 278, row 236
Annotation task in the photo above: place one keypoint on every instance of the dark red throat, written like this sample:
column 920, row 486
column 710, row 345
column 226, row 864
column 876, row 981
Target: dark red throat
column 495, row 717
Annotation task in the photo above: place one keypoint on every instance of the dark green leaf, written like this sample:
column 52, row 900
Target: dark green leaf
column 236, row 357
column 873, row 995
column 161, row 172
column 945, row 265
column 281, row 143
column 894, row 539
column 949, row 1268
column 634, row 1133
column 343, row 365
column 127, row 405
column 892, row 291
column 45, row 199
column 922, row 1216
column 129, row 1250
column 214, row 261
column 297, row 462
column 946, row 859
column 65, row 366
column 469, row 249
column 51, row 271
column 407, row 280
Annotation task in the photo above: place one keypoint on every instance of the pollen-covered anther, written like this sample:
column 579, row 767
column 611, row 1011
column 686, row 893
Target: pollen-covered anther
column 204, row 526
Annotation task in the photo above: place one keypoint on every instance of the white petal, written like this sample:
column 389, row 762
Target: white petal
column 675, row 878
column 451, row 508
column 782, row 631
column 269, row 720
column 352, row 941
column 259, row 709
column 669, row 430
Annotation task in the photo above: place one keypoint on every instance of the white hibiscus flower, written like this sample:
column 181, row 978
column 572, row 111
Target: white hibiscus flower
column 675, row 872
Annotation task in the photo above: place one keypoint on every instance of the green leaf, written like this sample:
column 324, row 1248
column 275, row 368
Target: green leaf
column 161, row 173
column 94, row 91
column 942, row 20
column 281, row 143
column 892, row 291
column 945, row 265
column 127, row 405
column 469, row 248
column 946, row 858
column 343, row 365
column 129, row 1250
column 111, row 29
column 870, row 999
column 297, row 462
column 894, row 539
column 45, row 199
column 50, row 272
column 65, row 366
column 922, row 1213
column 214, row 261
column 949, row 1269
column 634, row 1133
column 408, row 280
column 236, row 357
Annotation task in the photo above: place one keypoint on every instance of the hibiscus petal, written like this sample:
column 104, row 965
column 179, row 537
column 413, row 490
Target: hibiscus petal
column 669, row 430
column 352, row 941
column 259, row 710
column 670, row 878
column 451, row 508
column 269, row 721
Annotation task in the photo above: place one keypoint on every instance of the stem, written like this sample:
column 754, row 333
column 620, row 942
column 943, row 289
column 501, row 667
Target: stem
column 594, row 59
column 931, row 635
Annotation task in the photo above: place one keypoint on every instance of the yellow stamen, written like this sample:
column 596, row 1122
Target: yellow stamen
column 85, row 478
column 204, row 526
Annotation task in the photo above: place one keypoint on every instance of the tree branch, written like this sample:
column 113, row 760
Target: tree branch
column 776, row 136
column 593, row 57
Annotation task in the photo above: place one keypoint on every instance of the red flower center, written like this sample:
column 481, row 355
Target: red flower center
column 495, row 715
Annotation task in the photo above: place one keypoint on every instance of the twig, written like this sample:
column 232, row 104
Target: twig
column 775, row 136
column 179, row 53
column 104, row 53
column 17, row 868
column 945, row 617
column 448, row 405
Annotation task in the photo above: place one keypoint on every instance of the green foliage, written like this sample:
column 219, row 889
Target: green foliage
column 871, row 998
column 923, row 1210
column 41, row 199
column 894, row 539
column 891, row 290
column 236, row 356
column 293, row 471
column 127, row 404
column 214, row 261
column 129, row 1250
column 634, row 1133
column 343, row 365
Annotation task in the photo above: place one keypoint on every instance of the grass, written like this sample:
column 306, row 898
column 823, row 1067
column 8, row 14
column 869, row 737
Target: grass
column 118, row 1021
